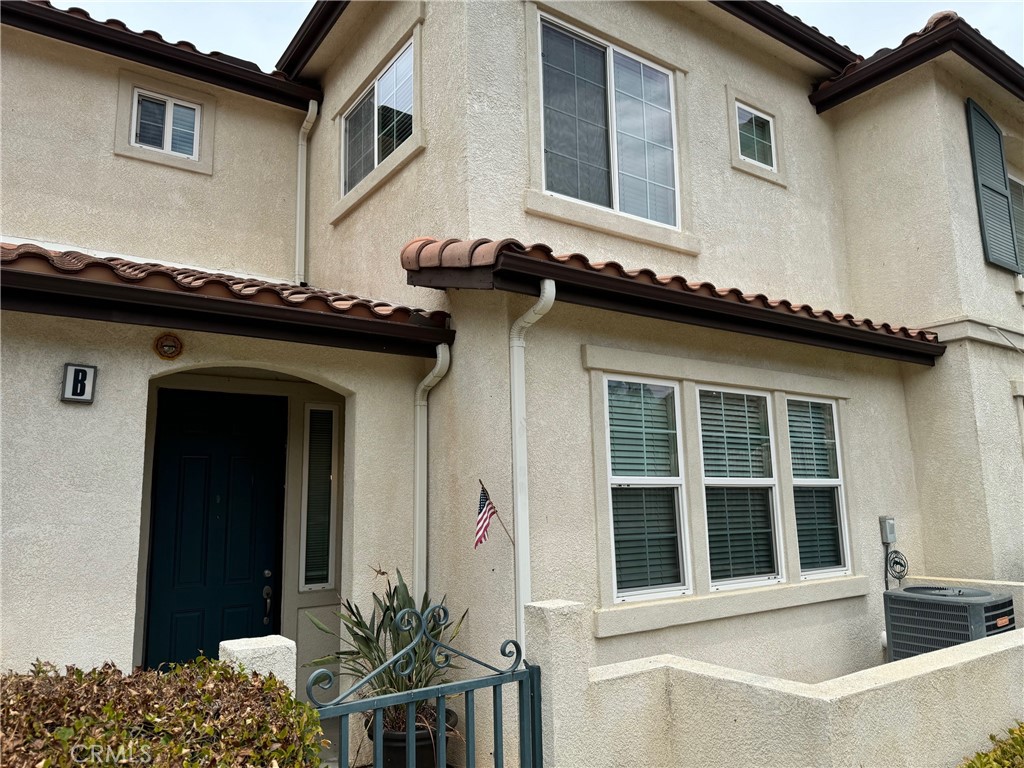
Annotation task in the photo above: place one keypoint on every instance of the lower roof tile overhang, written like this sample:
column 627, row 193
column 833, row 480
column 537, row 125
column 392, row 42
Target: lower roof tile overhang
column 37, row 289
column 515, row 270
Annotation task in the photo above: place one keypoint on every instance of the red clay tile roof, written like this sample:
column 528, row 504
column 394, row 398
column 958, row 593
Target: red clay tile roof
column 29, row 257
column 944, row 31
column 514, row 266
column 72, row 284
column 114, row 37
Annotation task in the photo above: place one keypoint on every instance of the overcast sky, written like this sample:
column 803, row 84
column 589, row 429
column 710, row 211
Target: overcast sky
column 260, row 31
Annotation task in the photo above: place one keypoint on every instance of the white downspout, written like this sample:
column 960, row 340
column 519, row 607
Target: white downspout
column 520, row 465
column 419, row 534
column 300, row 197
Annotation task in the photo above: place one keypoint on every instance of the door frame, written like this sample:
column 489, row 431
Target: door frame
column 298, row 393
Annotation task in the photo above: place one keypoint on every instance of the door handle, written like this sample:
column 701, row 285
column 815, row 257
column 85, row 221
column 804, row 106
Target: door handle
column 267, row 593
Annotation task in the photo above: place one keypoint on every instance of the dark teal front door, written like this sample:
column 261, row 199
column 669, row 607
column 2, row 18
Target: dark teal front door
column 217, row 506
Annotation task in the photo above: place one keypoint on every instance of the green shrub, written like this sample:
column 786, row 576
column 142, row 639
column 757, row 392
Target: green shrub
column 204, row 713
column 1006, row 753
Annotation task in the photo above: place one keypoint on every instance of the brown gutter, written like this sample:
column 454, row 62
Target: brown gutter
column 315, row 28
column 791, row 31
column 518, row 272
column 956, row 36
column 117, row 40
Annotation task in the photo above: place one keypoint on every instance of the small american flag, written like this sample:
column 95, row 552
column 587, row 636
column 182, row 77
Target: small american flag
column 483, row 516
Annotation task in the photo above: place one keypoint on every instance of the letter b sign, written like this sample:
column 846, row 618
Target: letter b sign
column 79, row 383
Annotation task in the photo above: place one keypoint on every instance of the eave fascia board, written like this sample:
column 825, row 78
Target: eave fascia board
column 159, row 54
column 22, row 291
column 521, row 274
column 790, row 31
column 314, row 30
column 957, row 37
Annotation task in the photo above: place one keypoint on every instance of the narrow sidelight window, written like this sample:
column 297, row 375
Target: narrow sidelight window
column 739, row 486
column 996, row 214
column 380, row 121
column 646, row 487
column 608, row 127
column 319, row 498
column 817, row 486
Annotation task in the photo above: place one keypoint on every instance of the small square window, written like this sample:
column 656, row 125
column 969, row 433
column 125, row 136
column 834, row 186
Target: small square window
column 380, row 121
column 165, row 124
column 756, row 136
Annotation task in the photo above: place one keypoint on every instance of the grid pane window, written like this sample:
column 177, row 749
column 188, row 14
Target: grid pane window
column 816, row 480
column 381, row 121
column 581, row 97
column 646, row 487
column 739, row 486
column 755, row 136
column 166, row 124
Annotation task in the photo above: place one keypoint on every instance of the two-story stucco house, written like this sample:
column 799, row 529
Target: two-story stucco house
column 646, row 238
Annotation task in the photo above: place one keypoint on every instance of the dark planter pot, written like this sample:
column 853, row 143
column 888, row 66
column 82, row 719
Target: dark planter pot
column 426, row 744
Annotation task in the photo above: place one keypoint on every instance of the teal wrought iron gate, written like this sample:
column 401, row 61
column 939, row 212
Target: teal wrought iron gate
column 520, row 675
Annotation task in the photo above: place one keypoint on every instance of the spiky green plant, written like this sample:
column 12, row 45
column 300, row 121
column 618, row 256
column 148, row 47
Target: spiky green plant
column 370, row 643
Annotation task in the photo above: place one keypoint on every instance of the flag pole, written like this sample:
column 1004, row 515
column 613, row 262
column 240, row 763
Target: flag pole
column 498, row 515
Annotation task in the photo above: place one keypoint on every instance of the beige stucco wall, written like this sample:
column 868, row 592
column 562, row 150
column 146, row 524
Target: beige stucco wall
column 931, row 710
column 63, row 184
column 765, row 630
column 73, row 475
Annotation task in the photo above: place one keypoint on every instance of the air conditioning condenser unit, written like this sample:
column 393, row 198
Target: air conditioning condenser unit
column 922, row 619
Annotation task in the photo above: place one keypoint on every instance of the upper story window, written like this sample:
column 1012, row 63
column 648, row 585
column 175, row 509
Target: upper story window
column 381, row 120
column 1017, row 206
column 165, row 124
column 755, row 133
column 609, row 127
column 998, row 211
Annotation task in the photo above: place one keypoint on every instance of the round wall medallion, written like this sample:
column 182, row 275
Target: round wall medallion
column 168, row 346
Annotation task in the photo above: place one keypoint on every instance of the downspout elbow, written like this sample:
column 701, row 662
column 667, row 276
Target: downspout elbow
column 300, row 195
column 517, row 335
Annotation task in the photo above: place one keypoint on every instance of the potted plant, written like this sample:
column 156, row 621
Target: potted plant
column 370, row 644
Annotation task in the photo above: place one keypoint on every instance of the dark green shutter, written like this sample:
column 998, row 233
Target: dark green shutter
column 319, row 487
column 1017, row 205
column 994, row 207
column 646, row 537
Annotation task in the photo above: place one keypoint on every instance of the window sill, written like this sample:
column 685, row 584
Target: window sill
column 165, row 158
column 548, row 206
column 627, row 618
column 379, row 176
column 762, row 172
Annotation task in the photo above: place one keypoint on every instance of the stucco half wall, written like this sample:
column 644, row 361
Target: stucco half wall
column 930, row 710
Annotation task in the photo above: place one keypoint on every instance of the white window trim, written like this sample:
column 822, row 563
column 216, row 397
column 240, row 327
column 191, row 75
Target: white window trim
column 169, row 104
column 736, row 99
column 611, row 49
column 838, row 483
column 404, row 154
column 676, row 482
column 746, row 582
column 372, row 87
column 129, row 83
column 333, row 528
column 771, row 133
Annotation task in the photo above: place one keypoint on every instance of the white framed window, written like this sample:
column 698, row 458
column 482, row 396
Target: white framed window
column 379, row 121
column 608, row 126
column 319, row 498
column 755, row 133
column 646, row 488
column 821, row 526
column 165, row 124
column 740, row 487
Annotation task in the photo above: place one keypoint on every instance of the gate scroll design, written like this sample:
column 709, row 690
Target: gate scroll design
column 524, row 675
